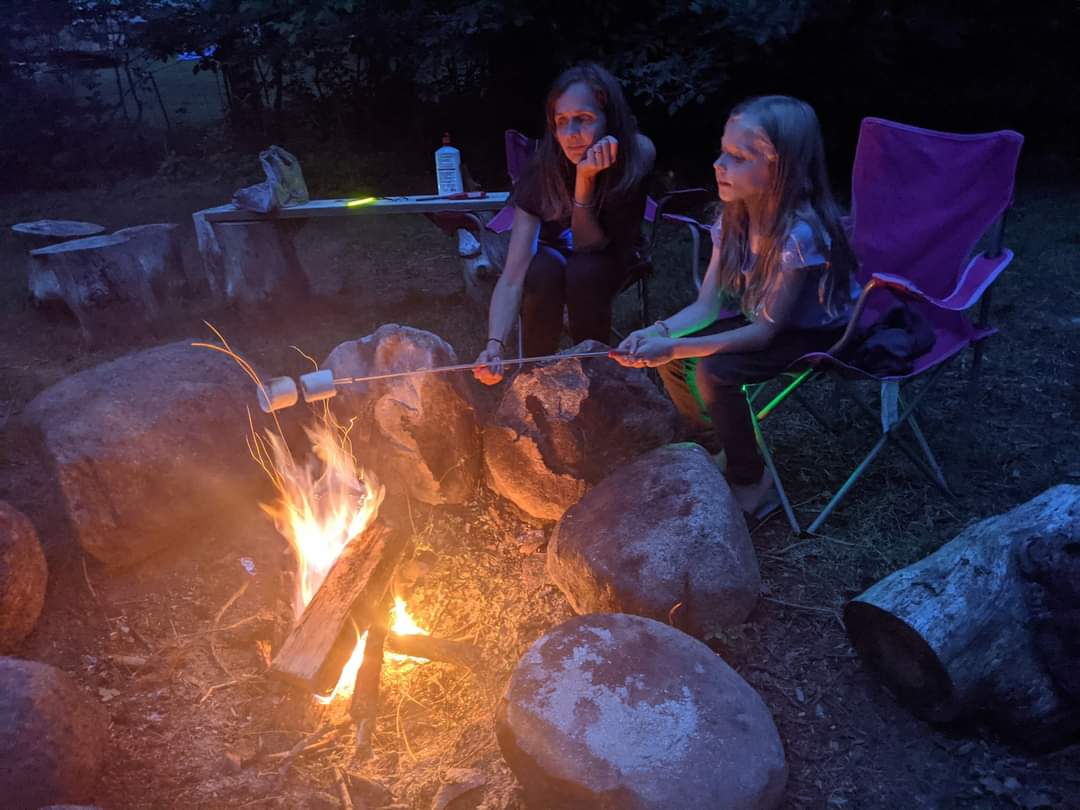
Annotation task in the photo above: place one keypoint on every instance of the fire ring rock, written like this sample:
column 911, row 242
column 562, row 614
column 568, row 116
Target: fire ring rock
column 663, row 530
column 418, row 433
column 52, row 736
column 563, row 426
column 617, row 711
column 150, row 448
column 23, row 577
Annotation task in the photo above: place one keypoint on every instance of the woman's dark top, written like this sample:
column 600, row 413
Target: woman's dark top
column 620, row 217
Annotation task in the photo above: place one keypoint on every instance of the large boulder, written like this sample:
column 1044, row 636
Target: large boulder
column 563, row 426
column 663, row 530
column 151, row 447
column 52, row 737
column 418, row 433
column 616, row 711
column 23, row 577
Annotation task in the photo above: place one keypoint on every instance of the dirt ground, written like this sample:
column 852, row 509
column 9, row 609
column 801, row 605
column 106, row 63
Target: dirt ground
column 176, row 648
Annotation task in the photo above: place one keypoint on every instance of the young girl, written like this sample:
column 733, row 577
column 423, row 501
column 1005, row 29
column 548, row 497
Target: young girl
column 778, row 248
column 577, row 224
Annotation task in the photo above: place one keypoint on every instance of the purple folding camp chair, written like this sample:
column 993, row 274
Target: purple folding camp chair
column 921, row 200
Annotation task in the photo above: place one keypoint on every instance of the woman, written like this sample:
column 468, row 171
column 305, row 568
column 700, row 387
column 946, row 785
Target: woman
column 577, row 223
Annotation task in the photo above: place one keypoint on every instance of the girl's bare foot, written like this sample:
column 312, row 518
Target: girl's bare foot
column 752, row 497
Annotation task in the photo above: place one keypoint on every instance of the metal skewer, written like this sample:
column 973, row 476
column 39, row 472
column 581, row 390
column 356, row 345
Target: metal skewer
column 464, row 367
column 281, row 392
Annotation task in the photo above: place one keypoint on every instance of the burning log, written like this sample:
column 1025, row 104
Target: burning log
column 460, row 653
column 365, row 697
column 323, row 640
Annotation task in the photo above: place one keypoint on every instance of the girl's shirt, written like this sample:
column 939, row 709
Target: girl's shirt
column 620, row 218
column 803, row 280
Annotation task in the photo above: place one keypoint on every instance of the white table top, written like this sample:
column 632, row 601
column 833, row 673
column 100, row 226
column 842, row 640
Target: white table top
column 417, row 204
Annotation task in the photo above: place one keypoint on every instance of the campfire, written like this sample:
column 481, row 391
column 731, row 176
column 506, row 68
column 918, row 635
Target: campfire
column 350, row 625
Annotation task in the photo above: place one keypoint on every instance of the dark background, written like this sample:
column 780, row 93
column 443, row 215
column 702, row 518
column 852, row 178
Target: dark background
column 90, row 93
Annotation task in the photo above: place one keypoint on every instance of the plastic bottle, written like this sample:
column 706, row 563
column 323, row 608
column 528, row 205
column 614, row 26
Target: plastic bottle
column 448, row 168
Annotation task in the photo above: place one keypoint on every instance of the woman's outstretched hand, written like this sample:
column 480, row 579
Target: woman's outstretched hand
column 598, row 157
column 647, row 351
column 489, row 366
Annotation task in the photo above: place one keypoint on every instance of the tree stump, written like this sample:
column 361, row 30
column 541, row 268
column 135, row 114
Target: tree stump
column 101, row 279
column 258, row 261
column 44, row 288
column 157, row 247
column 957, row 636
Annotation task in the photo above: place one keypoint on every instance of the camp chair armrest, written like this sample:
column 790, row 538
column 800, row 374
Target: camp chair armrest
column 680, row 200
column 878, row 281
column 973, row 282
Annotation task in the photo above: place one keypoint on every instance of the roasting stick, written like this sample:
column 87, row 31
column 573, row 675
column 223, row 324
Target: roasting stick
column 463, row 367
column 281, row 392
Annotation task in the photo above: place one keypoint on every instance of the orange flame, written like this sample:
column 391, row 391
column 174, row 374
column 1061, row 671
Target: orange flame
column 321, row 506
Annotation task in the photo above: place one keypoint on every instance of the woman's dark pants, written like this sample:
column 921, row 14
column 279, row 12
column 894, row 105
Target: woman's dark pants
column 710, row 388
column 585, row 283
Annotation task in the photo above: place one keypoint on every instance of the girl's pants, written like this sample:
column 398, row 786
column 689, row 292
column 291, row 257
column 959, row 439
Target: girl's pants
column 710, row 388
column 585, row 283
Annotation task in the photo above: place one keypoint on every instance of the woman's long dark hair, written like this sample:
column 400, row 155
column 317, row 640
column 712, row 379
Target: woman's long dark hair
column 555, row 173
column 799, row 190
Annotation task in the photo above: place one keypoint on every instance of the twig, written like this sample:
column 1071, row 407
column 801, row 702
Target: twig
column 318, row 745
column 795, row 606
column 217, row 620
column 225, row 685
column 343, row 789
column 93, row 593
column 213, row 630
column 310, row 742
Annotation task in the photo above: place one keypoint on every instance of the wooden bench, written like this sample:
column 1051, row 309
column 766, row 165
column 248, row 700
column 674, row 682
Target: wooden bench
column 248, row 256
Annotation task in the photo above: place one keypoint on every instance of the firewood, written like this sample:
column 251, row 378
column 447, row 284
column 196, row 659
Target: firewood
column 320, row 645
column 365, row 699
column 460, row 653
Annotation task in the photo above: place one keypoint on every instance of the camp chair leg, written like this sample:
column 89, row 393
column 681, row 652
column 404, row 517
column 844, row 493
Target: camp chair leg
column 939, row 476
column 848, row 484
column 771, row 467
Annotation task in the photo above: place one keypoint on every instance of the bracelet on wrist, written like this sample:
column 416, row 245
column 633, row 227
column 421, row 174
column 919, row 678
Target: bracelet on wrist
column 583, row 205
column 496, row 340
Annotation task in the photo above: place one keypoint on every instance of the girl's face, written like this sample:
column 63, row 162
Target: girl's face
column 579, row 121
column 745, row 168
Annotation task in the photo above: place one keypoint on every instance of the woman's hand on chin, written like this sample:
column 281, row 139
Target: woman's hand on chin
column 599, row 157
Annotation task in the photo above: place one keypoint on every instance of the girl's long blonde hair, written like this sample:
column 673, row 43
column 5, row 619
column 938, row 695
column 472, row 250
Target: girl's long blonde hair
column 799, row 190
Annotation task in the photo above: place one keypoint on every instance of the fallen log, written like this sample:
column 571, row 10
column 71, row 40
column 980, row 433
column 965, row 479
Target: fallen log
column 460, row 653
column 320, row 645
column 956, row 636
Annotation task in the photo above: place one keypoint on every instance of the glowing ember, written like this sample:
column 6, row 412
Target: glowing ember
column 321, row 506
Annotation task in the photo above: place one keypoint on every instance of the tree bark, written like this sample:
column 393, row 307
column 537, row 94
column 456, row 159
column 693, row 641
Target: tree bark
column 953, row 636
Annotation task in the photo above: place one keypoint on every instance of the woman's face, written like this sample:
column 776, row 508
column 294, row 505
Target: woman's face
column 744, row 170
column 579, row 121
